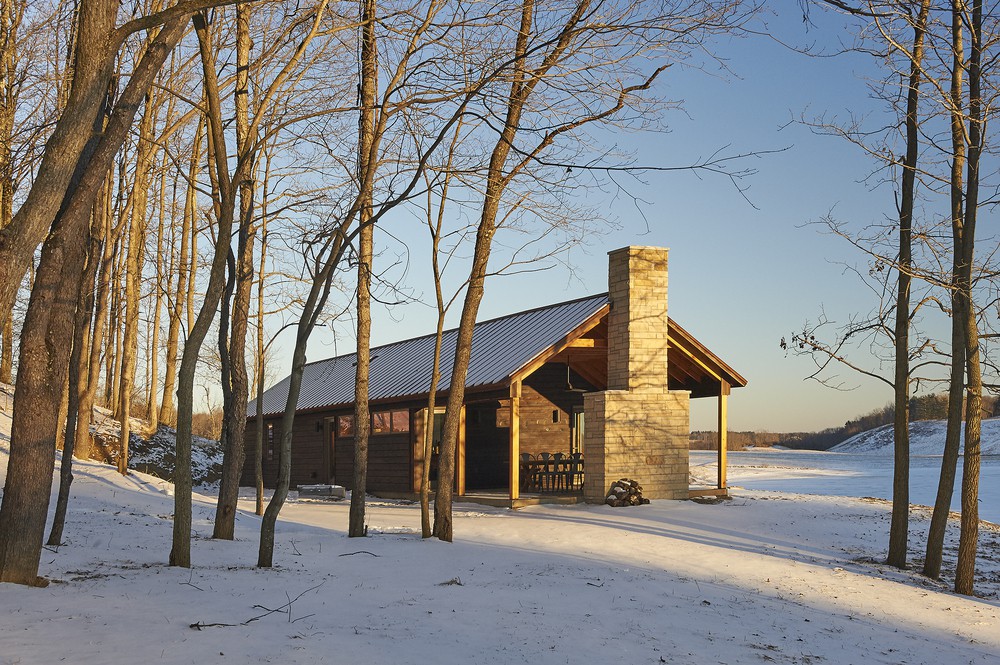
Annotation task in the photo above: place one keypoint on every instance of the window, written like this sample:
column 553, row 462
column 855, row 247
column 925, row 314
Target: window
column 270, row 441
column 391, row 422
column 401, row 421
column 381, row 422
column 345, row 426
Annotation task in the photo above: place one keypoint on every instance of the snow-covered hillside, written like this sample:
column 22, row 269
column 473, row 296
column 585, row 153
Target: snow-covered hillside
column 926, row 438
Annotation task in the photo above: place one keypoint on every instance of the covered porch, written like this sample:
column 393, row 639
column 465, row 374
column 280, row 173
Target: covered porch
column 532, row 429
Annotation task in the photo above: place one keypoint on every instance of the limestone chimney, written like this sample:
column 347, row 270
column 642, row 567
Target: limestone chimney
column 637, row 323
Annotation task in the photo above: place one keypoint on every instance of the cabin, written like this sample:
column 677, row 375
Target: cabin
column 560, row 402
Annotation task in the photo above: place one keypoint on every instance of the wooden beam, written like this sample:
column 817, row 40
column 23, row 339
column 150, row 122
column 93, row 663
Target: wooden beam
column 548, row 353
column 677, row 344
column 460, row 454
column 515, row 440
column 588, row 343
column 723, row 431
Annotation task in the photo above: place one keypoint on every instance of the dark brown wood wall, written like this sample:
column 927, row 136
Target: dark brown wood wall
column 543, row 392
column 309, row 454
column 388, row 462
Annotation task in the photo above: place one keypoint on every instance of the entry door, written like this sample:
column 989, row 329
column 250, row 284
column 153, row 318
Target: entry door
column 576, row 431
column 436, row 445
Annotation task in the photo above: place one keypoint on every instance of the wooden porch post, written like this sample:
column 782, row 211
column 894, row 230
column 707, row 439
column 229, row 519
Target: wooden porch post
column 515, row 440
column 723, row 431
column 460, row 455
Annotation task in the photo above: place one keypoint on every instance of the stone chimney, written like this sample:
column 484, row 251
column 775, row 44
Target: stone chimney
column 637, row 324
column 637, row 428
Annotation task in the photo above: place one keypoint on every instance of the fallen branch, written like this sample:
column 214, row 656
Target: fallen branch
column 286, row 608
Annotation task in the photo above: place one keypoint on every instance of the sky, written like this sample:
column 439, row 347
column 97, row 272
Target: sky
column 746, row 268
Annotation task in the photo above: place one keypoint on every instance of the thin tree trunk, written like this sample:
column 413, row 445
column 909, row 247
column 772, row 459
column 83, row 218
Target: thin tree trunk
column 84, row 440
column 965, row 571
column 899, row 527
column 235, row 416
column 956, row 390
column 152, row 412
column 10, row 20
column 133, row 277
column 366, row 163
column 180, row 553
column 495, row 185
column 185, row 270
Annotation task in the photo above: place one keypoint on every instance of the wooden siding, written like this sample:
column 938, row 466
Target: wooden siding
column 309, row 454
column 388, row 462
column 543, row 392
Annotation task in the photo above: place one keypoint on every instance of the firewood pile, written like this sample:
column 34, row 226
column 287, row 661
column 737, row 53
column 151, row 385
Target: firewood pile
column 625, row 492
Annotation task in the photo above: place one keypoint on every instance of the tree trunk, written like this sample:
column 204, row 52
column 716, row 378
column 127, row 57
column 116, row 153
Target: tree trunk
column 10, row 20
column 84, row 440
column 185, row 270
column 44, row 354
column 965, row 571
column 133, row 277
column 68, row 148
column 180, row 553
column 235, row 417
column 495, row 185
column 899, row 527
column 77, row 368
column 366, row 166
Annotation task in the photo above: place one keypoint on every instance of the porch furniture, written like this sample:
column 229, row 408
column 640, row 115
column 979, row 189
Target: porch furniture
column 576, row 471
column 545, row 472
column 551, row 472
column 529, row 472
column 560, row 472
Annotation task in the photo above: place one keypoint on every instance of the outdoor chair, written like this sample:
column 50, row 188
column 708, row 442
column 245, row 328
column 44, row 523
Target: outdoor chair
column 576, row 471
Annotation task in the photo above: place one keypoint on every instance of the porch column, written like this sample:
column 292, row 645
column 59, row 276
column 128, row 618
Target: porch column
column 515, row 440
column 460, row 455
column 723, row 431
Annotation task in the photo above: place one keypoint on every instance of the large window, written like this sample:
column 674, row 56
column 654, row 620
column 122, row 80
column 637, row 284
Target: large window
column 383, row 422
column 391, row 422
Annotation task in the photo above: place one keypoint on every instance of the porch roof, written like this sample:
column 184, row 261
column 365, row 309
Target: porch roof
column 502, row 348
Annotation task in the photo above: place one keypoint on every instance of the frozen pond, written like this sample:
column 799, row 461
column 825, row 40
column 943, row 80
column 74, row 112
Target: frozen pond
column 847, row 474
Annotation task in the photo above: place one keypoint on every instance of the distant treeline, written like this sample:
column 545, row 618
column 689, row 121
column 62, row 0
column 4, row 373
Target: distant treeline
column 924, row 407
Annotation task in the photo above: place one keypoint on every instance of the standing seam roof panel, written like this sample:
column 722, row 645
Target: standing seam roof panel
column 500, row 347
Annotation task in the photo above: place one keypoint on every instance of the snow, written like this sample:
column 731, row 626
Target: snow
column 926, row 438
column 769, row 576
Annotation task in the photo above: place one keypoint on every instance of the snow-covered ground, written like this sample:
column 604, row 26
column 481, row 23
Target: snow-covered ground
column 847, row 474
column 926, row 438
column 768, row 577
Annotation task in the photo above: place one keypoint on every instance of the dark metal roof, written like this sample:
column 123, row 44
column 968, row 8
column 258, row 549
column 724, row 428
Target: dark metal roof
column 499, row 348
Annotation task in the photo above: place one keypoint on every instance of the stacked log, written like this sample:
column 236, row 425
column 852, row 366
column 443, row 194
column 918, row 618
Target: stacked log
column 625, row 492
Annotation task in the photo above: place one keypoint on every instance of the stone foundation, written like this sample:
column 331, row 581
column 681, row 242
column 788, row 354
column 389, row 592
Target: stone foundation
column 636, row 435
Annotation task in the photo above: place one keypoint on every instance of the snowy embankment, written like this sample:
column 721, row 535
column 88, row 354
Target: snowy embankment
column 926, row 438
column 767, row 577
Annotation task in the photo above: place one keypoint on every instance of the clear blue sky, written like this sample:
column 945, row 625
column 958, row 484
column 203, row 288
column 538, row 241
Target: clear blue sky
column 740, row 277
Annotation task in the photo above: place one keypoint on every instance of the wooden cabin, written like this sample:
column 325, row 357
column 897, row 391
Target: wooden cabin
column 560, row 402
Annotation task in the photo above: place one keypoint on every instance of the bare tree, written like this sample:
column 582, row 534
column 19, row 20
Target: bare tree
column 547, row 104
column 54, row 297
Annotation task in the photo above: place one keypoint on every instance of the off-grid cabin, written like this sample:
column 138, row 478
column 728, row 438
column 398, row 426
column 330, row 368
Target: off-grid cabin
column 560, row 402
